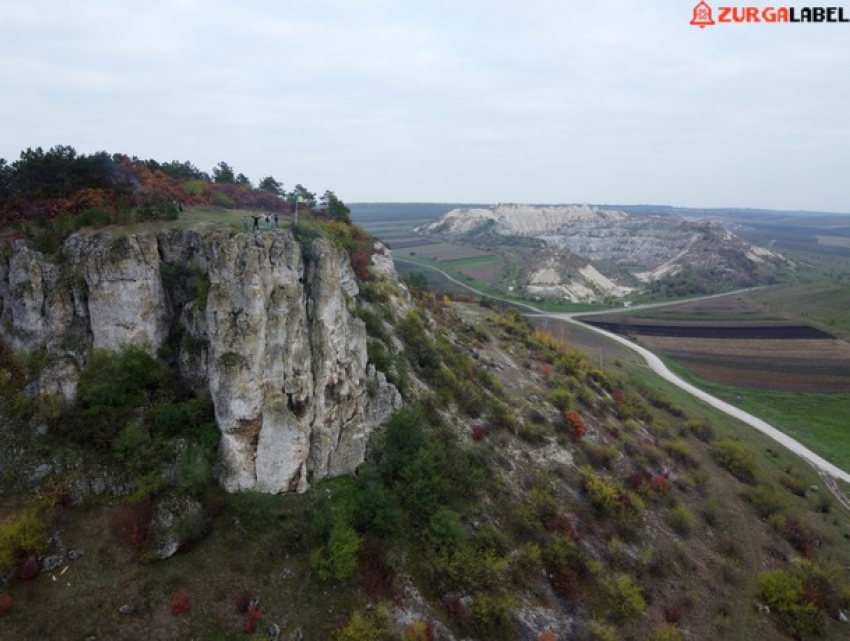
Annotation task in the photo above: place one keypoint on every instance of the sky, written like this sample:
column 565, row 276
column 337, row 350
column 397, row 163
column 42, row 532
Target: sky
column 538, row 101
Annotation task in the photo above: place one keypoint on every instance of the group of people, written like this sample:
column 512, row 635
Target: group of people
column 257, row 218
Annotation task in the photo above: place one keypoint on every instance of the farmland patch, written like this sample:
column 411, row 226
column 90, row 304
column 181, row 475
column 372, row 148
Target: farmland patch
column 487, row 269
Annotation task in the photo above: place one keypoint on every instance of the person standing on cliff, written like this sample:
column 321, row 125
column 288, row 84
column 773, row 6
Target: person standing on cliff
column 268, row 222
column 276, row 225
column 245, row 222
column 256, row 218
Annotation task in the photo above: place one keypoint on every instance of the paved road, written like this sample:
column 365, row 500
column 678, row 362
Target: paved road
column 827, row 470
column 658, row 366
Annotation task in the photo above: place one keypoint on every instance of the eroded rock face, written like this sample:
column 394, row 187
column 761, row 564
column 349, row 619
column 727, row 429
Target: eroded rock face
column 272, row 339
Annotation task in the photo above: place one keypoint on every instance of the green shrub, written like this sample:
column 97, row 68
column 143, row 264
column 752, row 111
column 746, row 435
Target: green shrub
column 336, row 504
column 625, row 599
column 195, row 471
column 784, row 593
column 700, row 428
column 377, row 509
column 682, row 452
column 491, row 615
column 416, row 338
column 110, row 387
column 445, row 530
column 681, row 520
column 600, row 454
column 713, row 512
column 766, row 500
column 136, row 450
column 737, row 459
column 667, row 632
column 562, row 399
column 599, row 631
column 470, row 568
column 364, row 627
column 27, row 533
column 526, row 564
column 373, row 322
column 337, row 560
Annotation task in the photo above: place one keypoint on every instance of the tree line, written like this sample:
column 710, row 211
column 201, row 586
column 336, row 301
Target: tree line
column 47, row 184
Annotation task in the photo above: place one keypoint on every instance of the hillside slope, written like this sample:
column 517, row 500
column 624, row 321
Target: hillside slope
column 521, row 493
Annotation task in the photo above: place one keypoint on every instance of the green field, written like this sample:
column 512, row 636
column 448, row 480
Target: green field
column 824, row 305
column 818, row 421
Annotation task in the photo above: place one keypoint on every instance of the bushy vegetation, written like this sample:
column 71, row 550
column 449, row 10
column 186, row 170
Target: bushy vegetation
column 736, row 458
column 133, row 408
column 24, row 535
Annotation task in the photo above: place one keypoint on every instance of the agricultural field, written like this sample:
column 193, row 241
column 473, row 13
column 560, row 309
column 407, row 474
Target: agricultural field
column 486, row 269
column 754, row 351
column 740, row 341
column 825, row 305
column 441, row 252
column 435, row 279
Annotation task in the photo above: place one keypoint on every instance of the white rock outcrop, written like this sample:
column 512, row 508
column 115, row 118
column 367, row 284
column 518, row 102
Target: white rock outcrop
column 272, row 338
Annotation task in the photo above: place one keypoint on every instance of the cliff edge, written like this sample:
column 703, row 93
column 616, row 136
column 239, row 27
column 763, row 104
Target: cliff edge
column 260, row 321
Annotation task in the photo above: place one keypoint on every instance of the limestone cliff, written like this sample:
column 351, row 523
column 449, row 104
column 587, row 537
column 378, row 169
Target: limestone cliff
column 267, row 330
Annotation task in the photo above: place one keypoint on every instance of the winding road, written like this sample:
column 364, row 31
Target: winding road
column 829, row 472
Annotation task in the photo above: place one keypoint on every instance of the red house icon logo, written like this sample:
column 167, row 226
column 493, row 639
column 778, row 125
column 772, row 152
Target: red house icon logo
column 702, row 16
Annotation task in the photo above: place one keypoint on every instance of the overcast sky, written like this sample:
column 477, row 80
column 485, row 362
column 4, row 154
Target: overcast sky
column 610, row 101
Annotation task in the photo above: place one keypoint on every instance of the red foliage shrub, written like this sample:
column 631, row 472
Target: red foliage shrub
column 546, row 370
column 26, row 568
column 547, row 636
column 360, row 264
column 618, row 396
column 478, row 433
column 575, row 424
column 5, row 604
column 661, row 484
column 252, row 615
column 180, row 602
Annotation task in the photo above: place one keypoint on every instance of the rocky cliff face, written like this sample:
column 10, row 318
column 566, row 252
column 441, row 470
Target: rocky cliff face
column 269, row 334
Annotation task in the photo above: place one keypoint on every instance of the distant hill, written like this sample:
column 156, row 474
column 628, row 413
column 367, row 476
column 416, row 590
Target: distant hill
column 584, row 253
